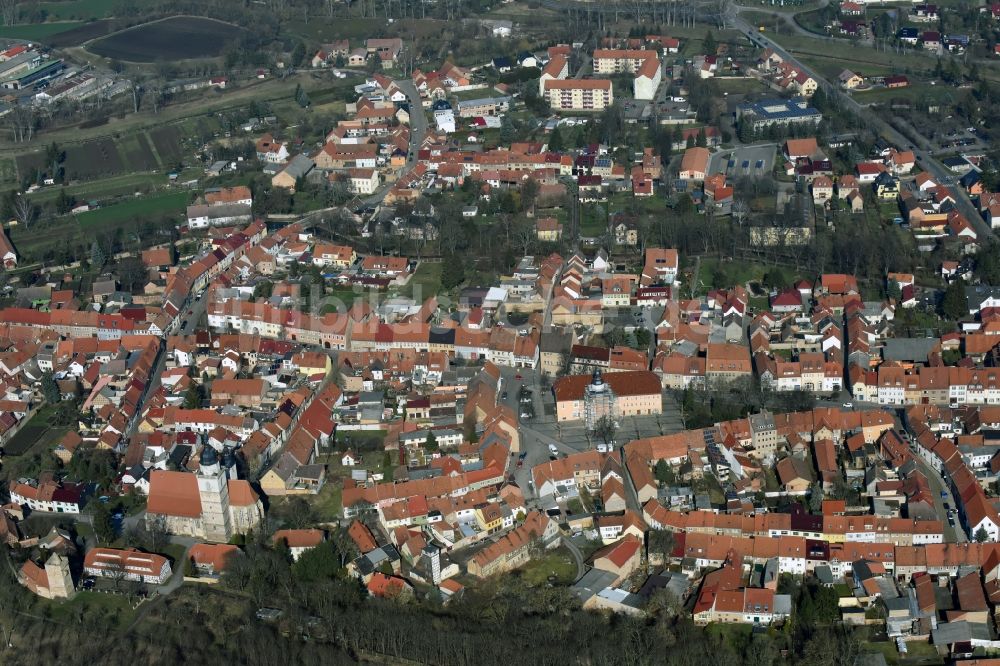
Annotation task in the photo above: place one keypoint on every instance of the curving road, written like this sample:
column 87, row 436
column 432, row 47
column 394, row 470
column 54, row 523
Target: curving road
column 577, row 556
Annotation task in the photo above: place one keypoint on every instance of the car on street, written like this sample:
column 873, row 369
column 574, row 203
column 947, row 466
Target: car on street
column 947, row 507
column 503, row 396
column 518, row 376
column 944, row 493
column 520, row 464
column 951, row 521
column 88, row 583
column 848, row 405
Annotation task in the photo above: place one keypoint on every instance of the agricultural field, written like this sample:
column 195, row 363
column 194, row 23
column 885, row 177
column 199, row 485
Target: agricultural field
column 80, row 33
column 138, row 152
column 176, row 38
column 26, row 437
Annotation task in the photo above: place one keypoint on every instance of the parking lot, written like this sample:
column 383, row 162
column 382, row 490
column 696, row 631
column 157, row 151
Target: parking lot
column 749, row 161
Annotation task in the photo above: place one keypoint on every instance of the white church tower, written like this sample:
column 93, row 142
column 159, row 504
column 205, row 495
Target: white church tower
column 213, row 490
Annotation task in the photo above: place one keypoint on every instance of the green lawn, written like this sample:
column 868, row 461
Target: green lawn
column 725, row 274
column 172, row 202
column 740, row 86
column 558, row 563
column 36, row 31
column 426, row 282
column 734, row 634
column 328, row 502
column 911, row 93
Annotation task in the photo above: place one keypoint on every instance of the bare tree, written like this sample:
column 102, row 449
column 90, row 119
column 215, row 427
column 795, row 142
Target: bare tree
column 605, row 428
column 25, row 212
column 22, row 120
column 8, row 11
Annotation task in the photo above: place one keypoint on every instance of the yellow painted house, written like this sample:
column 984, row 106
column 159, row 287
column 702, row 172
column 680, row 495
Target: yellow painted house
column 489, row 517
column 313, row 363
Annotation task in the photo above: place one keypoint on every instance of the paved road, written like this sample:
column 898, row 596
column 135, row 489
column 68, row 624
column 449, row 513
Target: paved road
column 577, row 555
column 418, row 117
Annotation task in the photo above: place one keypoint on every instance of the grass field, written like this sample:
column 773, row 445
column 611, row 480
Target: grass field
column 175, row 38
column 558, row 563
column 911, row 93
column 171, row 202
column 328, row 502
column 80, row 9
column 37, row 31
column 107, row 187
column 426, row 282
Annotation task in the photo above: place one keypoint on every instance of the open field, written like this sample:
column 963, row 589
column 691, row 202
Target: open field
column 105, row 188
column 557, row 564
column 82, row 33
column 175, row 38
column 79, row 9
column 171, row 202
column 40, row 32
column 426, row 281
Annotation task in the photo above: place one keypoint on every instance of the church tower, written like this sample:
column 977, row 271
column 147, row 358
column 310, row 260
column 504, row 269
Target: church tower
column 60, row 579
column 213, row 490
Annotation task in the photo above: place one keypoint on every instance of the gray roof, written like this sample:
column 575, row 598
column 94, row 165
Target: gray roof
column 592, row 582
column 783, row 604
column 956, row 632
column 908, row 349
column 556, row 341
column 483, row 101
column 299, row 166
column 975, row 295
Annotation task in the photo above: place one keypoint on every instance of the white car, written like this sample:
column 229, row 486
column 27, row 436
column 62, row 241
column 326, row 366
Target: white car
column 848, row 405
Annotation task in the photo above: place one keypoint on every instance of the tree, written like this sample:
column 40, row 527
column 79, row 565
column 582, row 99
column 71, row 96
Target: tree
column 507, row 130
column 605, row 428
column 24, row 211
column 432, row 443
column 816, row 497
column 104, row 526
column 263, row 289
column 709, row 45
column 193, row 396
column 49, row 389
column 64, row 202
column 132, row 273
column 96, row 255
column 663, row 473
column 317, row 564
column 452, row 272
column 981, row 535
column 556, row 144
column 953, row 303
column 643, row 338
column 661, row 544
column 664, row 603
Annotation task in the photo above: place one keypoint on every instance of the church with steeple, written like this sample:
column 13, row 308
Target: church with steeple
column 209, row 504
